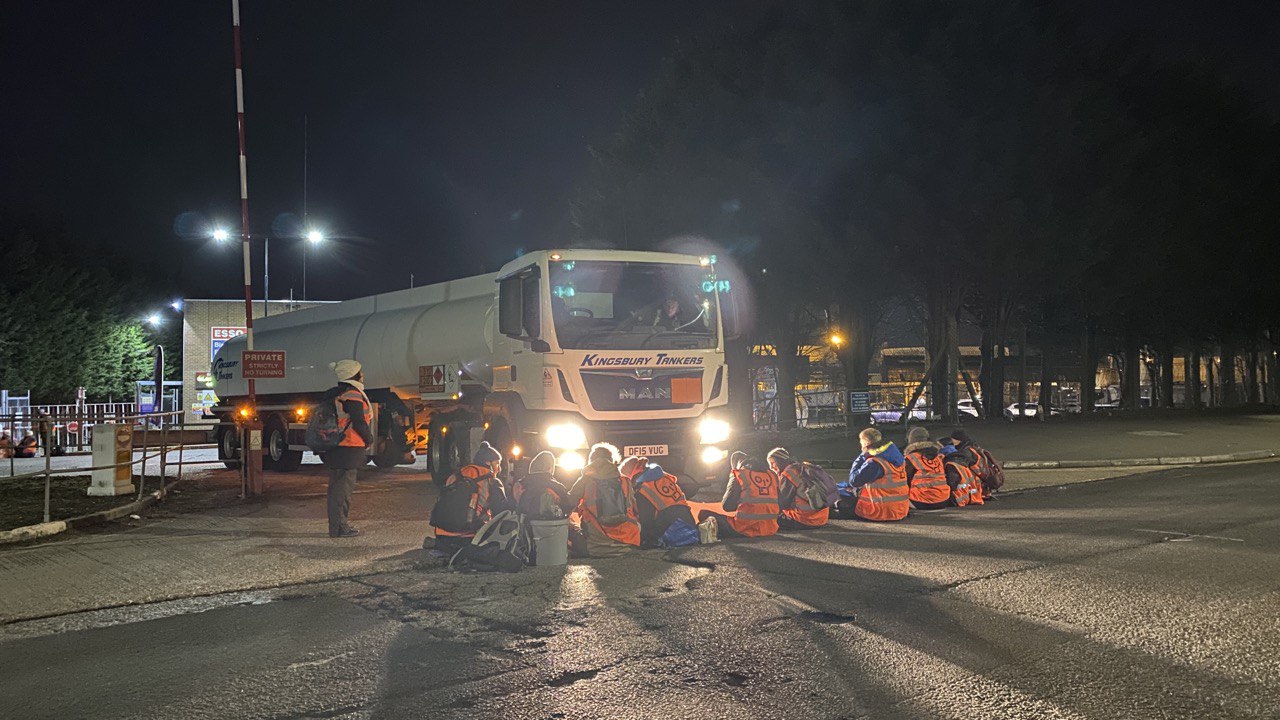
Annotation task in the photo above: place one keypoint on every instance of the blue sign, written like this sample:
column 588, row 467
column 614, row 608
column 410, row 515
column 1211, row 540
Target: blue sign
column 859, row 401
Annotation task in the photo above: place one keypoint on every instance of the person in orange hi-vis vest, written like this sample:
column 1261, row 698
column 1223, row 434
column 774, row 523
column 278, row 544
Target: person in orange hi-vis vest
column 797, row 508
column 926, row 473
column 877, row 488
column 749, row 507
column 355, row 414
column 606, row 506
column 659, row 499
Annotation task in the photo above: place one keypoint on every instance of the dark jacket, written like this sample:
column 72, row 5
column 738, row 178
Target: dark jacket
column 349, row 458
column 533, row 487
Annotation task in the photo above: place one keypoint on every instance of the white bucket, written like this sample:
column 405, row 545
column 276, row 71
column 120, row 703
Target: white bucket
column 551, row 541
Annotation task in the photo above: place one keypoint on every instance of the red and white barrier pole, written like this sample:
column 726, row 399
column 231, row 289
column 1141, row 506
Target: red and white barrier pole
column 252, row 453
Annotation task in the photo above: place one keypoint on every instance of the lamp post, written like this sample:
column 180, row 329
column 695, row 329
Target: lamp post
column 314, row 237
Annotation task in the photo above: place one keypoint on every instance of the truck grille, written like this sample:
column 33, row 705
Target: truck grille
column 643, row 389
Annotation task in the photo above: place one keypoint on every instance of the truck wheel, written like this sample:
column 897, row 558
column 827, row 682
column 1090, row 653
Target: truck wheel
column 229, row 446
column 449, row 449
column 276, row 454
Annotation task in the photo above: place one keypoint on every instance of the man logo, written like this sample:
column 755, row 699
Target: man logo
column 644, row 374
column 644, row 393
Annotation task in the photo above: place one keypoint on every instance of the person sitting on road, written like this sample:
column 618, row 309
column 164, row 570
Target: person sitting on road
column 469, row 498
column 6, row 445
column 26, row 447
column 795, row 498
column 926, row 474
column 661, row 506
column 538, row 494
column 979, row 460
column 966, row 486
column 877, row 487
column 606, row 506
column 750, row 503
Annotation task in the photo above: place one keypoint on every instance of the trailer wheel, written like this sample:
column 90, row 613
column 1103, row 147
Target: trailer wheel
column 229, row 446
column 276, row 454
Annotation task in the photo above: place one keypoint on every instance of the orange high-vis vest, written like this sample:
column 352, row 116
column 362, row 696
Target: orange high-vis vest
column 968, row 491
column 888, row 497
column 801, row 511
column 757, row 513
column 929, row 484
column 626, row 531
column 662, row 493
column 479, row 498
column 351, row 438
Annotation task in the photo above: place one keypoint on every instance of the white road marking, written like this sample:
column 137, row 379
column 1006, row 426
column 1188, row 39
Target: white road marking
column 1188, row 536
column 314, row 663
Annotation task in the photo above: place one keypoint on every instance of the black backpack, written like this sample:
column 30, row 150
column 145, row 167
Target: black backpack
column 611, row 502
column 819, row 487
column 504, row 543
column 455, row 511
column 324, row 432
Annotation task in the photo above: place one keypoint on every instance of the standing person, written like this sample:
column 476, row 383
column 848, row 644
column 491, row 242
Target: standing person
column 660, row 503
column 794, row 499
column 538, row 494
column 469, row 498
column 877, row 487
column 355, row 414
column 752, row 496
column 606, row 505
column 926, row 474
column 44, row 426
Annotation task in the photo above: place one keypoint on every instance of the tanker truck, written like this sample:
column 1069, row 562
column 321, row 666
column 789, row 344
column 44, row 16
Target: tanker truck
column 557, row 350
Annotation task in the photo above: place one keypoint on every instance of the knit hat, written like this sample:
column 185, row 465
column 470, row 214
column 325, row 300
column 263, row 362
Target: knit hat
column 485, row 454
column 960, row 436
column 737, row 459
column 780, row 456
column 345, row 369
column 632, row 465
column 917, row 434
column 543, row 462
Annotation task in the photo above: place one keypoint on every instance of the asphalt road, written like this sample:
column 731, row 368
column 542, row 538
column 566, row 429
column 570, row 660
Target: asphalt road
column 1151, row 596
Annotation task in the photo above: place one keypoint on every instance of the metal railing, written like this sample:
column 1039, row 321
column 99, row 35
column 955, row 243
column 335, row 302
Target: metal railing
column 70, row 423
column 162, row 434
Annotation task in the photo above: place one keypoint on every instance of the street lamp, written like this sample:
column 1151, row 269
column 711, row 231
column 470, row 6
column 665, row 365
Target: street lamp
column 221, row 235
column 836, row 339
column 314, row 237
column 153, row 320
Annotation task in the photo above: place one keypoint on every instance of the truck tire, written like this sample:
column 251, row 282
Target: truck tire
column 449, row 451
column 229, row 446
column 276, row 454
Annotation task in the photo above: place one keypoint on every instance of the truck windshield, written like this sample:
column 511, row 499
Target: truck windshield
column 633, row 305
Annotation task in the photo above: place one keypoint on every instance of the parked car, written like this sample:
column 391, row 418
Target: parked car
column 888, row 413
column 967, row 407
column 1029, row 410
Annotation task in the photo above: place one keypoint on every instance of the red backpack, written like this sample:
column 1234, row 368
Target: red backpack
column 987, row 469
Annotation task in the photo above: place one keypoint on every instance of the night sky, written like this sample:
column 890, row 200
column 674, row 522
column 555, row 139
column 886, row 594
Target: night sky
column 443, row 138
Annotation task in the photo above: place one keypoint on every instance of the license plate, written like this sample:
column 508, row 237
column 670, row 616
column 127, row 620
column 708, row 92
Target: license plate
column 644, row 450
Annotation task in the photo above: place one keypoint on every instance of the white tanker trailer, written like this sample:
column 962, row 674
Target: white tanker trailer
column 555, row 351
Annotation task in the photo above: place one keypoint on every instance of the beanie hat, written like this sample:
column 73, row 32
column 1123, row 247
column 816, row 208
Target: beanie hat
column 485, row 454
column 917, row 434
column 780, row 456
column 737, row 458
column 960, row 436
column 632, row 465
column 345, row 369
column 543, row 462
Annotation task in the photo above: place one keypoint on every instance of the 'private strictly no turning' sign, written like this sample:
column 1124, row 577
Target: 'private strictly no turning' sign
column 262, row 364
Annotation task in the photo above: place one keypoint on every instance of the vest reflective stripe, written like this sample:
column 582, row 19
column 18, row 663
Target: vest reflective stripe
column 929, row 484
column 886, row 498
column 968, row 491
column 351, row 438
column 759, row 498
column 662, row 493
column 626, row 532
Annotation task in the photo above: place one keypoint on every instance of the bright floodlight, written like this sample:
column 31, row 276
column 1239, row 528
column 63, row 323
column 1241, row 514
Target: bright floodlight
column 315, row 237
column 176, row 305
column 153, row 320
column 220, row 235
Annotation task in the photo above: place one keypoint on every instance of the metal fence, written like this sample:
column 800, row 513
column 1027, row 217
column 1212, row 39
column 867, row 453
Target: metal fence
column 162, row 441
column 71, row 424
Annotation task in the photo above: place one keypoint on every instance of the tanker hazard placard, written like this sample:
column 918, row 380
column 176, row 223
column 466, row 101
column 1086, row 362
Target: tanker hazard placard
column 431, row 379
column 262, row 364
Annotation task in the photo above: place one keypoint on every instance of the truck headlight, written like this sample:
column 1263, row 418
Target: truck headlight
column 713, row 431
column 566, row 436
column 571, row 461
column 712, row 455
